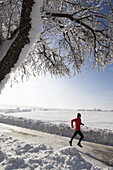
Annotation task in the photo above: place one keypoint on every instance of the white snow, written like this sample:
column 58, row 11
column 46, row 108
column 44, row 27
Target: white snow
column 16, row 154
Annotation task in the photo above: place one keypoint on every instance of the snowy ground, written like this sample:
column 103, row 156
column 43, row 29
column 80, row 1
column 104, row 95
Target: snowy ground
column 93, row 119
column 27, row 149
column 28, row 144
column 101, row 136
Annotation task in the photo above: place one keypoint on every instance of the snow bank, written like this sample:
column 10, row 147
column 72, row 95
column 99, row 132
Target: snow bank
column 15, row 154
column 97, row 135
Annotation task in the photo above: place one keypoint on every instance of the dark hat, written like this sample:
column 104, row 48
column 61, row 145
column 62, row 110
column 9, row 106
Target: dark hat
column 78, row 115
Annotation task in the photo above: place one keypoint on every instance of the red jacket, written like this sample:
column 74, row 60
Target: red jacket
column 77, row 122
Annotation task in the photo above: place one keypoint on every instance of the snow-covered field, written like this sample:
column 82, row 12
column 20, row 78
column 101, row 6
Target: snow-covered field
column 19, row 154
column 92, row 119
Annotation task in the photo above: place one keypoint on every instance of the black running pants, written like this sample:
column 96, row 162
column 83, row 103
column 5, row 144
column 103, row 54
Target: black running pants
column 78, row 132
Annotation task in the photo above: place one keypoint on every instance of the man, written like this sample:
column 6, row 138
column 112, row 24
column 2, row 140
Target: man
column 77, row 130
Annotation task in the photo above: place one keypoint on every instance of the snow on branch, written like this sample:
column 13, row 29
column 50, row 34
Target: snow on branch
column 93, row 19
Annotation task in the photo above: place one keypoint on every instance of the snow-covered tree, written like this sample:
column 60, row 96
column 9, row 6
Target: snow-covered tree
column 72, row 31
column 16, row 25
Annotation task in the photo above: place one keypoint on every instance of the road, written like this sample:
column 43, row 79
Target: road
column 100, row 155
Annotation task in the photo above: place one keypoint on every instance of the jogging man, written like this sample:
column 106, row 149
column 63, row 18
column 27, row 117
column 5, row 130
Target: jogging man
column 77, row 130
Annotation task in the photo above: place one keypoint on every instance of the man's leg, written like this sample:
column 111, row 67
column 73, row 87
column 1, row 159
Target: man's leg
column 81, row 138
column 75, row 133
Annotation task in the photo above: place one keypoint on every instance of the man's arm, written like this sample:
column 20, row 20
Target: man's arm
column 73, row 120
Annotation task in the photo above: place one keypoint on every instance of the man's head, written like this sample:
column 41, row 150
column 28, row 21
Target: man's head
column 78, row 115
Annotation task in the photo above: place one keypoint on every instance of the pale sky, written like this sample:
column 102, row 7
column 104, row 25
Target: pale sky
column 89, row 90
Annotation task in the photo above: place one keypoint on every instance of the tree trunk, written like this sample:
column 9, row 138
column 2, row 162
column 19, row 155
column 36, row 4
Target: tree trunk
column 12, row 55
